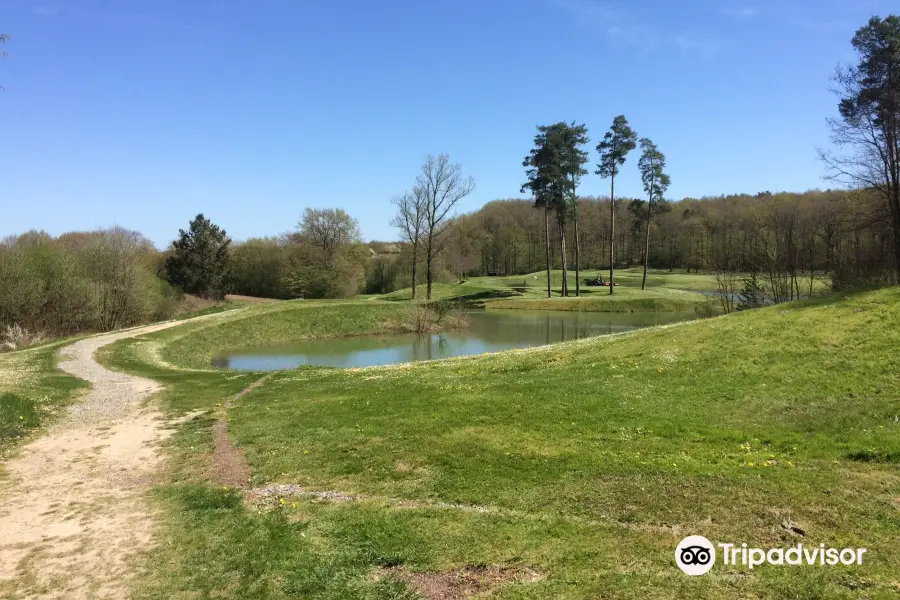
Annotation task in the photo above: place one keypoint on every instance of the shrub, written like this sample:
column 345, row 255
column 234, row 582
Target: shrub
column 87, row 281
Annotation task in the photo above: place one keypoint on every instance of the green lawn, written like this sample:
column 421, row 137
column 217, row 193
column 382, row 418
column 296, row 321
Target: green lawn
column 584, row 462
column 631, row 278
column 666, row 291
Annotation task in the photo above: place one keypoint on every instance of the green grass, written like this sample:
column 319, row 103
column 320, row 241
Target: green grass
column 623, row 300
column 33, row 388
column 665, row 292
column 591, row 459
column 195, row 344
column 631, row 278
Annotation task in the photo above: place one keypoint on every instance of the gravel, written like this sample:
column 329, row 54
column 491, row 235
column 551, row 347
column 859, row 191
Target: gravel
column 112, row 394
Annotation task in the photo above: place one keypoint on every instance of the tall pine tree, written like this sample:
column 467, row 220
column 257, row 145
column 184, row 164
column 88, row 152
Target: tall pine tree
column 614, row 148
column 198, row 259
column 652, row 166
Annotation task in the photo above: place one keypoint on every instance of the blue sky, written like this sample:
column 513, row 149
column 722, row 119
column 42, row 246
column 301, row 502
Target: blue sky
column 143, row 113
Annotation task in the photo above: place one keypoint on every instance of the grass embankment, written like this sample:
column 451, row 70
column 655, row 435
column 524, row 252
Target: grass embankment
column 585, row 462
column 195, row 344
column 675, row 291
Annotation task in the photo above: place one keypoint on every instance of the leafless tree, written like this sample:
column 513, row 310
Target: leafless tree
column 868, row 130
column 442, row 186
column 410, row 220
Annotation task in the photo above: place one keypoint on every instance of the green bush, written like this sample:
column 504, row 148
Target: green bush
column 93, row 281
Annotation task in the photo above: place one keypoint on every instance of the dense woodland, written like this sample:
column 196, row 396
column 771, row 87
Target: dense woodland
column 833, row 232
column 784, row 238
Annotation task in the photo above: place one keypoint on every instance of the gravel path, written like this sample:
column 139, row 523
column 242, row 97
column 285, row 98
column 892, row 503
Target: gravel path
column 72, row 514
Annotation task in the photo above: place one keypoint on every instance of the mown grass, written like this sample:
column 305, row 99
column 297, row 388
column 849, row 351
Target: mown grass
column 669, row 292
column 624, row 300
column 588, row 462
column 666, row 291
column 677, row 279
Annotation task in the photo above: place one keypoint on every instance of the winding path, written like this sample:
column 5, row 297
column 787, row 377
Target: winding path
column 72, row 515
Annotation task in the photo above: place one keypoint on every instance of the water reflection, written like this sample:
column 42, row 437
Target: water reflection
column 489, row 331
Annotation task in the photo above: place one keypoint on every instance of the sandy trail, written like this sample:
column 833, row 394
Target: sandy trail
column 71, row 509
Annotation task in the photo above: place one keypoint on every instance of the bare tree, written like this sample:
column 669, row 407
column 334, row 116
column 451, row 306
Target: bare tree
column 869, row 123
column 442, row 186
column 410, row 220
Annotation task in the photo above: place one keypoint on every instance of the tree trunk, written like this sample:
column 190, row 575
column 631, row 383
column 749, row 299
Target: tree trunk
column 428, row 258
column 577, row 260
column 415, row 259
column 897, row 250
column 562, row 252
column 612, row 233
column 547, row 241
column 647, row 241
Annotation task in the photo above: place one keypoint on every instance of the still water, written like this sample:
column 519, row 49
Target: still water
column 489, row 331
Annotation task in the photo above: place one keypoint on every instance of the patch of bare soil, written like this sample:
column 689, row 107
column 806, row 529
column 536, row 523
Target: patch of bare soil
column 460, row 583
column 72, row 514
column 229, row 466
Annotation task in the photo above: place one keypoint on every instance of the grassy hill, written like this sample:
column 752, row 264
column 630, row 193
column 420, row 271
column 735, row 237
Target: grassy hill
column 574, row 468
column 666, row 291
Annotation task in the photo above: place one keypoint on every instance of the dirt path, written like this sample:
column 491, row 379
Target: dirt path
column 71, row 513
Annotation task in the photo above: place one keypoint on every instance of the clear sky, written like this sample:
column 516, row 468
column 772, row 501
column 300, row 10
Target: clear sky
column 143, row 113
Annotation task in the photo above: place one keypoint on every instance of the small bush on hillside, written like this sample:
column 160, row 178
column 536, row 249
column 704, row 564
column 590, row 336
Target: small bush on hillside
column 707, row 309
column 426, row 318
column 752, row 295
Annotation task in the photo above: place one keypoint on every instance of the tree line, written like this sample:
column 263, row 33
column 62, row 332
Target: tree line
column 83, row 281
column 784, row 235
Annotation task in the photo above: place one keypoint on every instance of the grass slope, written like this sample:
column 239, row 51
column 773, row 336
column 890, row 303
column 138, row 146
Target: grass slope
column 194, row 344
column 588, row 462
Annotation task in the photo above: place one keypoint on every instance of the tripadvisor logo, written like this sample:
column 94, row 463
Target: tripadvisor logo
column 696, row 555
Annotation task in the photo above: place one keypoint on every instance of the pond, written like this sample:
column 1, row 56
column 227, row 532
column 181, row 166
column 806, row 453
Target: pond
column 488, row 331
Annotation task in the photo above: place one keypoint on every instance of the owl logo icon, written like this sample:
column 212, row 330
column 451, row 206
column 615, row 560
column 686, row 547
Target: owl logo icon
column 695, row 555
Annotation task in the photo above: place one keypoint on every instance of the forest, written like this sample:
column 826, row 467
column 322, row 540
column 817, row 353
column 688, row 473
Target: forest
column 785, row 235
